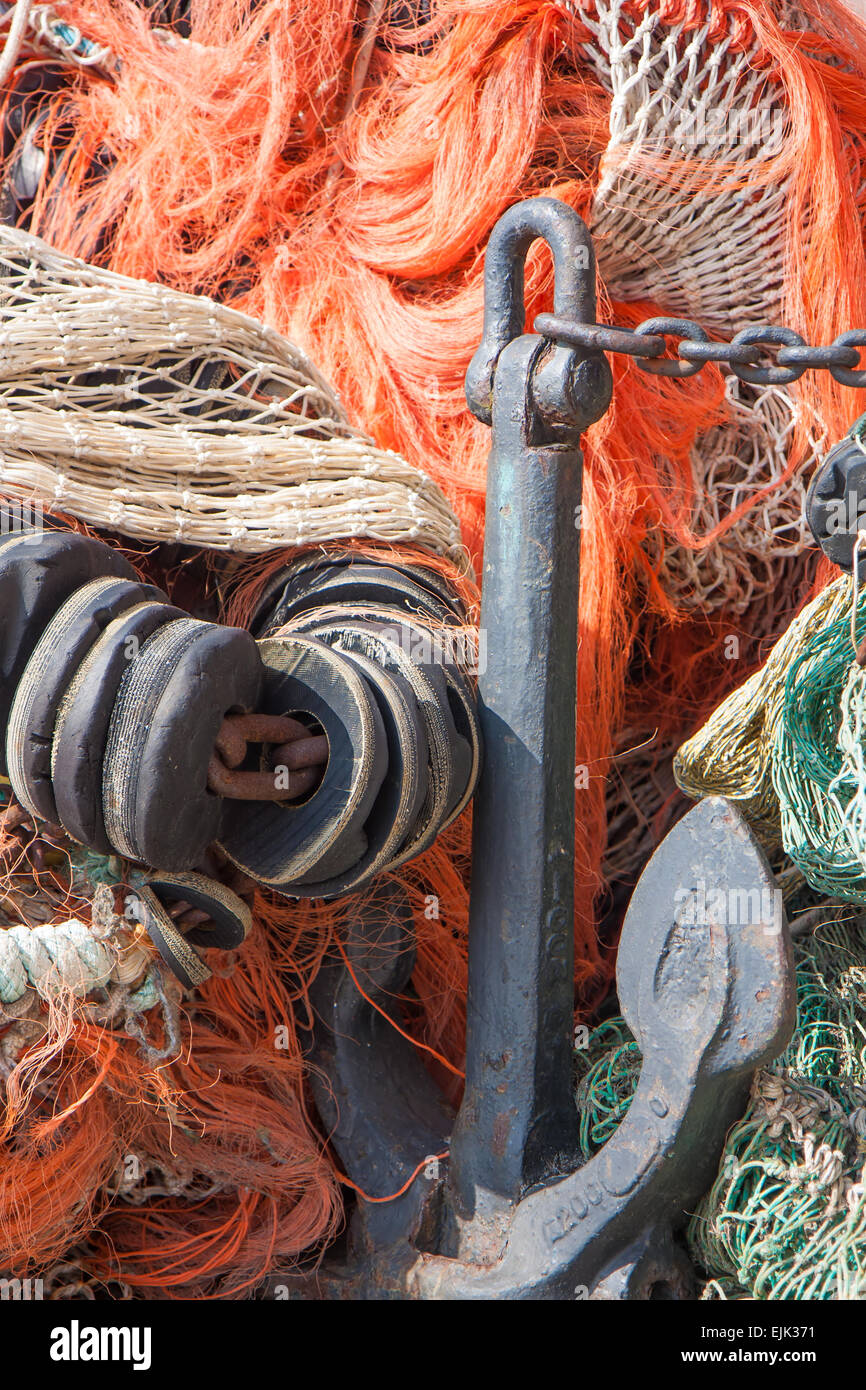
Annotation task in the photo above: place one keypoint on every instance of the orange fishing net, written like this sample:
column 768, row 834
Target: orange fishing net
column 340, row 183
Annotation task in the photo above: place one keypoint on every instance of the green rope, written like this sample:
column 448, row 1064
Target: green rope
column 731, row 754
column 786, row 1215
column 92, row 868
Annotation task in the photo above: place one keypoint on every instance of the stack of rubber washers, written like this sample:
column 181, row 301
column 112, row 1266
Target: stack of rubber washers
column 334, row 748
column 379, row 656
column 81, row 639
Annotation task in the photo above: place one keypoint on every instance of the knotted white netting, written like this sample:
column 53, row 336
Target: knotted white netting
column 169, row 417
column 730, row 462
column 692, row 119
column 691, row 112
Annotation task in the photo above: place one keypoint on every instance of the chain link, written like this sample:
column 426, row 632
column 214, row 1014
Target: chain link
column 693, row 349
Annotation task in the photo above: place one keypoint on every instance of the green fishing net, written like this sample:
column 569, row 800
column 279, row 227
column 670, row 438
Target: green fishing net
column 817, row 766
column 789, row 747
column 730, row 755
column 786, row 1215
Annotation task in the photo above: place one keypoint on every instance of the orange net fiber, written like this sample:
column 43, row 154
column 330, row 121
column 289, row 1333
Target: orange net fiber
column 262, row 159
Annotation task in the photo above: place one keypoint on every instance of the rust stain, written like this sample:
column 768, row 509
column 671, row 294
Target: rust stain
column 501, row 1131
column 497, row 1063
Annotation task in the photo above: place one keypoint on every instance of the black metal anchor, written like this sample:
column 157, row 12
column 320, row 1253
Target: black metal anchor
column 705, row 980
column 709, row 998
column 518, row 1122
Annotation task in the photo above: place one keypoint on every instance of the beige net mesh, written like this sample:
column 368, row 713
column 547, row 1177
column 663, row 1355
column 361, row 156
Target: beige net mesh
column 692, row 98
column 691, row 117
column 169, row 417
column 730, row 463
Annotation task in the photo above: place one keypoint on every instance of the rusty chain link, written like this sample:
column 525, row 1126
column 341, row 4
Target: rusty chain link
column 694, row 349
column 300, row 756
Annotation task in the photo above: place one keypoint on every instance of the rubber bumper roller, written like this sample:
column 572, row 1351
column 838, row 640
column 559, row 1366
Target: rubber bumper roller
column 316, row 581
column 282, row 845
column 347, row 585
column 393, row 627
column 453, row 759
column 109, row 726
column 83, row 719
column 51, row 669
column 119, row 708
column 38, row 573
column 228, row 924
column 168, row 712
column 391, row 829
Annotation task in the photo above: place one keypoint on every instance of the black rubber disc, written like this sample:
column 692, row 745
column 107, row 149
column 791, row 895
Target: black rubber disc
column 231, row 919
column 410, row 586
column 323, row 836
column 181, row 958
column 81, row 730
column 464, row 708
column 171, row 703
column 59, row 652
column 434, row 649
column 36, row 578
column 421, row 640
column 450, row 756
column 352, row 584
column 401, row 799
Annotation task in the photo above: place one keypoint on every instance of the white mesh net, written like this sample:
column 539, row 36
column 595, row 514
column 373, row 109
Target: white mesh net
column 690, row 113
column 169, row 417
column 692, row 116
column 731, row 463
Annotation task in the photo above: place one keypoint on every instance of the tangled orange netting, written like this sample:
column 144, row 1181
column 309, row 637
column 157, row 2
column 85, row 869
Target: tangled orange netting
column 262, row 159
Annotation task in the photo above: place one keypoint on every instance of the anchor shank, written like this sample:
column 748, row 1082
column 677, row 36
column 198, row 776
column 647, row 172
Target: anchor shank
column 518, row 1119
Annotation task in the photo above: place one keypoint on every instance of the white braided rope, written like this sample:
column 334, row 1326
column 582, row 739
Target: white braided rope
column 19, row 18
column 169, row 417
column 65, row 956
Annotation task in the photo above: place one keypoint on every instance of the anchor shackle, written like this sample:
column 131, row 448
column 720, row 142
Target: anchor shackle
column 570, row 387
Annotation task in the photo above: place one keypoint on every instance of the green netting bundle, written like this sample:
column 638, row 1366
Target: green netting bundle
column 786, row 1216
column 815, row 733
column 790, row 747
column 730, row 755
column 607, row 1073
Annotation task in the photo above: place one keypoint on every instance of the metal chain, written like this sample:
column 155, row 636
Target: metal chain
column 300, row 757
column 694, row 349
